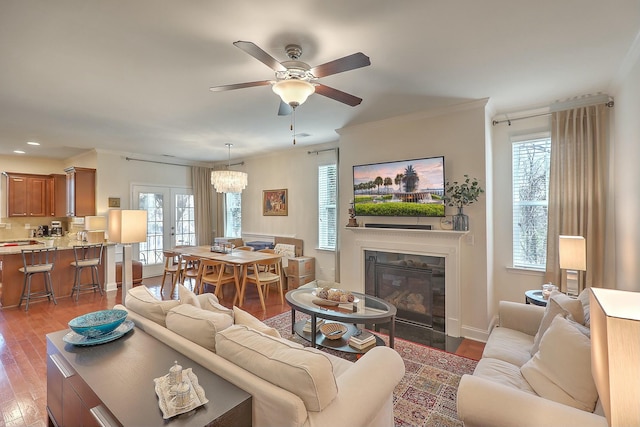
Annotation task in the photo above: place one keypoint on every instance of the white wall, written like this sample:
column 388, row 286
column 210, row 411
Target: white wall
column 297, row 171
column 115, row 175
column 510, row 284
column 458, row 133
column 627, row 177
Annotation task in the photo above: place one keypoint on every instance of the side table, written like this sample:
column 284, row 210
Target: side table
column 534, row 296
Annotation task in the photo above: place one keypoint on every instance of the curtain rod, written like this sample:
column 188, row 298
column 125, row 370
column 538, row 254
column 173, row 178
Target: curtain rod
column 173, row 164
column 322, row 151
column 609, row 104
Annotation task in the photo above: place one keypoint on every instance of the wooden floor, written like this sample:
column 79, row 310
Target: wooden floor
column 23, row 346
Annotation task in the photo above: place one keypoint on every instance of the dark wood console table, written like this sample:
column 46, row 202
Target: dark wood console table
column 112, row 385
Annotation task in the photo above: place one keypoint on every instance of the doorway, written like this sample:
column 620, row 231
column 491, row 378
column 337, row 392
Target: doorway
column 170, row 223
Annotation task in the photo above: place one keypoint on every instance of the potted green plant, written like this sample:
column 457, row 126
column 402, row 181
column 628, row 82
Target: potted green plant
column 459, row 195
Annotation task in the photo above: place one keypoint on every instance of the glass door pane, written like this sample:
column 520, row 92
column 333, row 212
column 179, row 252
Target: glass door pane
column 184, row 223
column 151, row 250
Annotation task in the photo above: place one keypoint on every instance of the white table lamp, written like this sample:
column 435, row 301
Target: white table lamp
column 615, row 353
column 127, row 227
column 95, row 227
column 573, row 258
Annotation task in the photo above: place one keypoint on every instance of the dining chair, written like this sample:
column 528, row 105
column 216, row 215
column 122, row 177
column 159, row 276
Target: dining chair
column 87, row 256
column 264, row 273
column 173, row 268
column 244, row 248
column 216, row 273
column 37, row 261
column 191, row 270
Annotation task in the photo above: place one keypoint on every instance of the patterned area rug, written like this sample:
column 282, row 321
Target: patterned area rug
column 426, row 396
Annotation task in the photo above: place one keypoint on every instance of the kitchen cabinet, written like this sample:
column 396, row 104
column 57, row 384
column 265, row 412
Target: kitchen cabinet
column 27, row 195
column 81, row 191
column 58, row 195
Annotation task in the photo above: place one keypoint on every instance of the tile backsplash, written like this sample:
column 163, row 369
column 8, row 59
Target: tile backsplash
column 20, row 228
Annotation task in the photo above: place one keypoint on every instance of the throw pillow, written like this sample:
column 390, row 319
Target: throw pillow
column 561, row 369
column 140, row 300
column 186, row 296
column 197, row 325
column 586, row 308
column 562, row 304
column 210, row 302
column 307, row 374
column 241, row 317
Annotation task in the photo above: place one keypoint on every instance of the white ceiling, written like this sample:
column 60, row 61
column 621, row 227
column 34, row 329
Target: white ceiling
column 134, row 75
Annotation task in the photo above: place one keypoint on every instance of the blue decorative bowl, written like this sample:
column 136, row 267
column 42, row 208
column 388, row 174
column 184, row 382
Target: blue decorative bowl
column 98, row 323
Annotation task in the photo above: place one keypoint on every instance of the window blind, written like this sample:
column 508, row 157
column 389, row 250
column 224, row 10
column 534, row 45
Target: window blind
column 327, row 212
column 530, row 178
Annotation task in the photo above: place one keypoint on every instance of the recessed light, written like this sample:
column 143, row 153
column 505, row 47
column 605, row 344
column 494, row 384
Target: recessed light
column 33, row 143
column 18, row 151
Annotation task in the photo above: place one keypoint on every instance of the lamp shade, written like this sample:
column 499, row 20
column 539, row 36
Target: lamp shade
column 293, row 91
column 573, row 253
column 127, row 226
column 95, row 223
column 226, row 181
column 615, row 353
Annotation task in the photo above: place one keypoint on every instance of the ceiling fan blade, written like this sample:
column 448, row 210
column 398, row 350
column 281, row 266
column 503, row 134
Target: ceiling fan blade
column 239, row 86
column 338, row 95
column 262, row 56
column 284, row 109
column 351, row 62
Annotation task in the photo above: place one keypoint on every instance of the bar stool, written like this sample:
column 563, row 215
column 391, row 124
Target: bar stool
column 87, row 256
column 37, row 261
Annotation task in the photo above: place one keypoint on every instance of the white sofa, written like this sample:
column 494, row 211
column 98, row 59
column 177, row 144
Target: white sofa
column 330, row 390
column 507, row 387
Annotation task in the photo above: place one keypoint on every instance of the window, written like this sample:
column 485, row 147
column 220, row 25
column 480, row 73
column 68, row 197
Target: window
column 530, row 159
column 327, row 195
column 185, row 220
column 233, row 214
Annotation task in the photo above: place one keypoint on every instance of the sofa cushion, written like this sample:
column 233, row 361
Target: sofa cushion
column 509, row 345
column 499, row 371
column 186, row 296
column 143, row 302
column 562, row 304
column 241, row 317
column 561, row 369
column 586, row 308
column 211, row 303
column 197, row 325
column 307, row 374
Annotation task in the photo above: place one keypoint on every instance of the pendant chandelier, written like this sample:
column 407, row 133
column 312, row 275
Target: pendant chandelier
column 228, row 181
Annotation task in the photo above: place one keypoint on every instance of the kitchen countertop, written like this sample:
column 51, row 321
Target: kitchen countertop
column 62, row 243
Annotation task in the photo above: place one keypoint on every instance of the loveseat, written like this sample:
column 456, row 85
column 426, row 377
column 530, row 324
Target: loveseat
column 535, row 369
column 291, row 385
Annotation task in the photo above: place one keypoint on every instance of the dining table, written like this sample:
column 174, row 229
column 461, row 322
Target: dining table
column 238, row 259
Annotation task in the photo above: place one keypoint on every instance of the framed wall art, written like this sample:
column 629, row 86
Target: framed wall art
column 275, row 202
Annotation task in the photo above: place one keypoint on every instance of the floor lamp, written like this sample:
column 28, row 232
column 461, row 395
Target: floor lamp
column 572, row 252
column 127, row 227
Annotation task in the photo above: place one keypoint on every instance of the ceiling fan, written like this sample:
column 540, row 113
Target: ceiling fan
column 296, row 80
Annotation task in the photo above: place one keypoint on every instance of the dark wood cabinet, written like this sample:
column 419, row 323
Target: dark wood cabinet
column 27, row 195
column 58, row 195
column 81, row 191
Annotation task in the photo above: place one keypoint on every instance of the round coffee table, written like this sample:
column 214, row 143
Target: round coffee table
column 370, row 310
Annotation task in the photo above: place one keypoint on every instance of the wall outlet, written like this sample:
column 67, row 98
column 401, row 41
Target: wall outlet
column 470, row 239
column 27, row 226
column 7, row 226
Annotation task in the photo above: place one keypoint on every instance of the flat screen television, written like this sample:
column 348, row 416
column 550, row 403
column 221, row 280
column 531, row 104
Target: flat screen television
column 413, row 188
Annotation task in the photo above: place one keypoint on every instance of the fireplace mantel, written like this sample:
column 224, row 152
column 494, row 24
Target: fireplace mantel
column 440, row 243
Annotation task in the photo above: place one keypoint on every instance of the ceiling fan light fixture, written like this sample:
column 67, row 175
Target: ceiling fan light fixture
column 228, row 181
column 293, row 91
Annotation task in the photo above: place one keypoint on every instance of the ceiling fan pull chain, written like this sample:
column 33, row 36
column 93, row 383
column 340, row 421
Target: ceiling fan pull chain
column 293, row 126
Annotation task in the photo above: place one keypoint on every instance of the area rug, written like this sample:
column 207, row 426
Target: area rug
column 426, row 395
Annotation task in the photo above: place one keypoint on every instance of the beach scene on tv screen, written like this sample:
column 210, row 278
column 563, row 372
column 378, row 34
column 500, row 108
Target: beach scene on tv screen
column 402, row 188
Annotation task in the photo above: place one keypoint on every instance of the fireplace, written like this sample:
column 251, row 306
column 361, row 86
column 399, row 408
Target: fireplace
column 414, row 284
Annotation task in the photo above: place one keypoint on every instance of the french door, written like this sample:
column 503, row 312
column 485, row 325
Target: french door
column 170, row 222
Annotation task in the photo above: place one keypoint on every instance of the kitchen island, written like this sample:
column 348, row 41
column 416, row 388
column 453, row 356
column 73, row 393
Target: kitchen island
column 62, row 275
